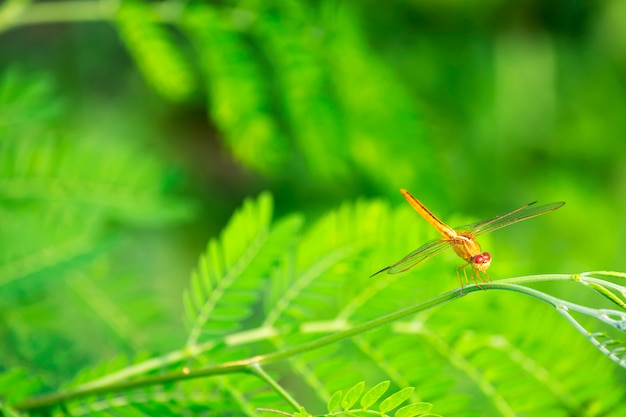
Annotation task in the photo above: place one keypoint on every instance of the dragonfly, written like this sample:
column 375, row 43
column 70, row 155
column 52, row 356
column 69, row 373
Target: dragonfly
column 462, row 239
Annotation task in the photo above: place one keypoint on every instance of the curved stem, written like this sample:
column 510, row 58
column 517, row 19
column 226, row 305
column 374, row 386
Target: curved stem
column 537, row 278
column 241, row 366
column 252, row 365
column 258, row 371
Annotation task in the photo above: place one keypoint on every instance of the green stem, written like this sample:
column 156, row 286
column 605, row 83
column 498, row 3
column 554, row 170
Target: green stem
column 241, row 366
column 258, row 370
column 257, row 334
column 252, row 365
column 537, row 278
column 45, row 401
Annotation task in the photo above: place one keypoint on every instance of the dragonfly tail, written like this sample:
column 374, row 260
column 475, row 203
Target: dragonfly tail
column 382, row 270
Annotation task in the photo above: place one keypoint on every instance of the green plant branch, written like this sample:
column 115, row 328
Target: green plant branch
column 251, row 365
column 258, row 371
column 241, row 366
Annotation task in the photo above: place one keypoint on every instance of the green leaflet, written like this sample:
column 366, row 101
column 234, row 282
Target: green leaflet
column 374, row 394
column 396, row 399
column 608, row 294
column 352, row 396
column 334, row 401
column 413, row 410
column 370, row 398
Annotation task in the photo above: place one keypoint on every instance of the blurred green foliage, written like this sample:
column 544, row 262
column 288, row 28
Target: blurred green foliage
column 129, row 133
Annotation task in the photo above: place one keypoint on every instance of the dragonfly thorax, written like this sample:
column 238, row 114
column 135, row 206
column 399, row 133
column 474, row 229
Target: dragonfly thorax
column 466, row 246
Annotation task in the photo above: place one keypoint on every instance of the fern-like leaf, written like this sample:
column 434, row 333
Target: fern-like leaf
column 16, row 384
column 295, row 49
column 106, row 176
column 239, row 98
column 27, row 104
column 155, row 51
column 372, row 396
column 42, row 239
column 234, row 269
column 376, row 105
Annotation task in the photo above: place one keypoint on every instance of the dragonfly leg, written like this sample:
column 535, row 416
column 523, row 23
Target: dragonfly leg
column 486, row 281
column 464, row 274
column 476, row 273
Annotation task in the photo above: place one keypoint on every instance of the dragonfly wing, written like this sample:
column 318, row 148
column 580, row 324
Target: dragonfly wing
column 420, row 254
column 523, row 213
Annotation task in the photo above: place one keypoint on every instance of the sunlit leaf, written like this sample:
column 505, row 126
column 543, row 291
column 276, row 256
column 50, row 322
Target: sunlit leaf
column 412, row 410
column 396, row 399
column 334, row 401
column 352, row 396
column 371, row 396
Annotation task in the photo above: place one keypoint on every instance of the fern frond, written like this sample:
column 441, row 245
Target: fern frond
column 42, row 239
column 294, row 47
column 130, row 323
column 27, row 103
column 614, row 349
column 16, row 384
column 357, row 403
column 108, row 176
column 330, row 282
column 305, row 287
column 234, row 269
column 376, row 105
column 406, row 361
column 155, row 51
column 239, row 102
column 318, row 271
column 492, row 360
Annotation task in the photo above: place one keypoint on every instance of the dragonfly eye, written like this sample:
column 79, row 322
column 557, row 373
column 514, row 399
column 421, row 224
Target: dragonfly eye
column 483, row 259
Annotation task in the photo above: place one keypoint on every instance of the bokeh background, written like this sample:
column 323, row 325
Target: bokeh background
column 128, row 135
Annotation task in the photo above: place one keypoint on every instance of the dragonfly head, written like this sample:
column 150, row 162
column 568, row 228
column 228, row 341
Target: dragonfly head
column 481, row 261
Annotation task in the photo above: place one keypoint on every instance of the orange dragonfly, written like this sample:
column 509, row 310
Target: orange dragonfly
column 462, row 239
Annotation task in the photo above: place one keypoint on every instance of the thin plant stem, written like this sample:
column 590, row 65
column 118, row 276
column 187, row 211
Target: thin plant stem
column 240, row 366
column 252, row 365
column 258, row 371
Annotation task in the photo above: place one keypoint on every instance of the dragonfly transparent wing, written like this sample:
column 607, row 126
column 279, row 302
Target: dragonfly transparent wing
column 523, row 213
column 420, row 254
